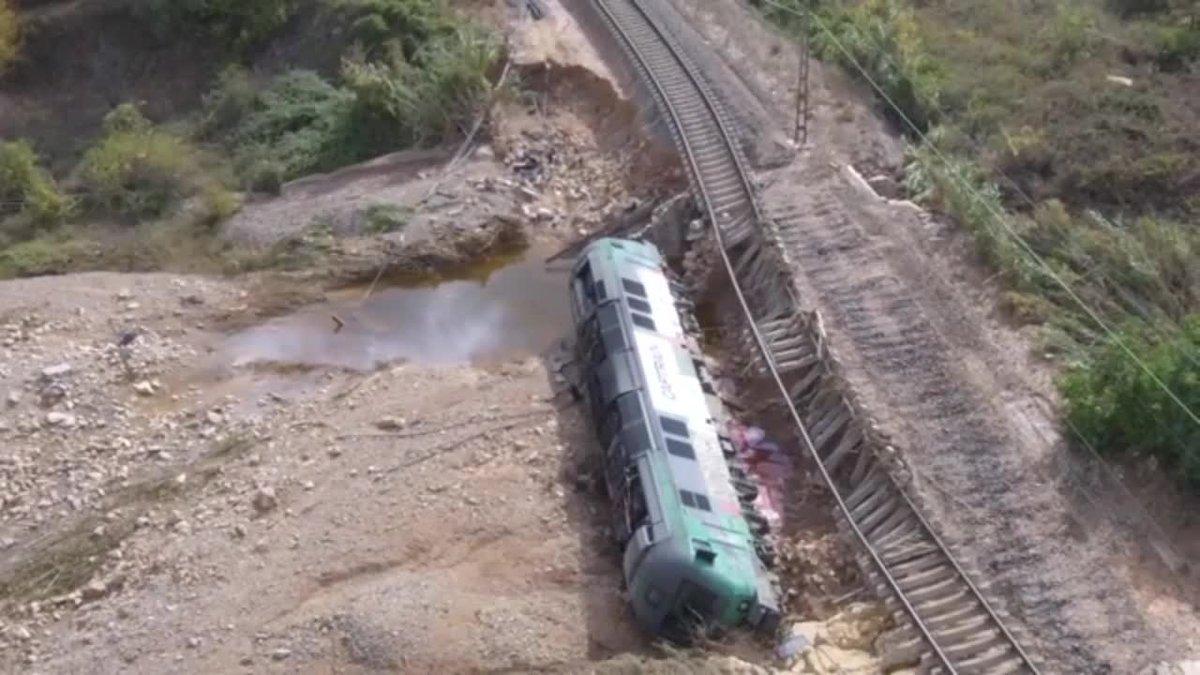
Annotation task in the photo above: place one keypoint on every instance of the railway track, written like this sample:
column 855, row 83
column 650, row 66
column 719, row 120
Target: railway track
column 948, row 626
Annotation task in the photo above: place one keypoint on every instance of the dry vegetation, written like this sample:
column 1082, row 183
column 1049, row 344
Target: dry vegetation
column 1062, row 135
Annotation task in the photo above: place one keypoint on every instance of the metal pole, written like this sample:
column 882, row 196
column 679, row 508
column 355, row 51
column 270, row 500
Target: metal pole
column 800, row 135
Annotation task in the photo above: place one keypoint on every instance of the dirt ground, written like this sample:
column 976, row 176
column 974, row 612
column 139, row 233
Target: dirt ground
column 969, row 400
column 168, row 507
column 171, row 501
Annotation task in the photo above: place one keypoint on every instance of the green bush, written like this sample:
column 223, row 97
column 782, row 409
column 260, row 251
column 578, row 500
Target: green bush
column 1178, row 46
column 10, row 34
column 1119, row 409
column 434, row 96
column 139, row 171
column 300, row 124
column 378, row 25
column 231, row 99
column 237, row 23
column 27, row 190
column 882, row 37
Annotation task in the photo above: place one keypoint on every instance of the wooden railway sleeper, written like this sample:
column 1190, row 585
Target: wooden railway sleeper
column 832, row 432
column 871, row 485
column 899, row 519
column 992, row 664
column 880, row 514
column 874, row 481
column 919, row 546
column 976, row 645
column 850, row 442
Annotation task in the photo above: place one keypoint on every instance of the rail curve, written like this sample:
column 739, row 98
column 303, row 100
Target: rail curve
column 950, row 626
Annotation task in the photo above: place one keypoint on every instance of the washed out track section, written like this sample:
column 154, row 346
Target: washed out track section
column 947, row 625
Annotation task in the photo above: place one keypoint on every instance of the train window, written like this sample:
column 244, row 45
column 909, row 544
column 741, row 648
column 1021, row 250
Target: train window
column 643, row 321
column 634, row 287
column 704, row 552
column 639, row 305
column 674, row 426
column 680, row 449
column 695, row 500
column 611, row 424
column 697, row 600
column 587, row 282
column 636, row 438
column 595, row 396
column 600, row 293
column 610, row 329
column 631, row 408
column 636, row 510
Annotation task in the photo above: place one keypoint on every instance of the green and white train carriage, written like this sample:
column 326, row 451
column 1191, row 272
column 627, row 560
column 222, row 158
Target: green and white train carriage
column 690, row 559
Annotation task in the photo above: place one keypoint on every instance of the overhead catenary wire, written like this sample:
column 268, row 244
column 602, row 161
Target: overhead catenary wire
column 1130, row 303
column 1024, row 245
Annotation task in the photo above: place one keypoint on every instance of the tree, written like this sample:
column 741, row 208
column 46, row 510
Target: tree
column 10, row 34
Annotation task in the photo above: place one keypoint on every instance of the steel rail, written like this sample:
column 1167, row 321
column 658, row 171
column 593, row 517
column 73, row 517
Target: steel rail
column 637, row 40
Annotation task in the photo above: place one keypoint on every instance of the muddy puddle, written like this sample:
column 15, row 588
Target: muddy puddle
column 501, row 308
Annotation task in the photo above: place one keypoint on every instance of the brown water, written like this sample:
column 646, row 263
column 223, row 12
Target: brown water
column 499, row 309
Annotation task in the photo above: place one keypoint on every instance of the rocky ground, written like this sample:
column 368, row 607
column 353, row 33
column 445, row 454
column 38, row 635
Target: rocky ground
column 166, row 507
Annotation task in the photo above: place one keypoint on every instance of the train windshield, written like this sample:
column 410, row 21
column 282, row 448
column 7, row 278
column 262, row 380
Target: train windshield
column 694, row 613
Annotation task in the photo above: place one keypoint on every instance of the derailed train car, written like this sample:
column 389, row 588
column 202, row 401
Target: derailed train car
column 682, row 510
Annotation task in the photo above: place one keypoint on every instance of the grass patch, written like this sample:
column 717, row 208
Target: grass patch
column 50, row 254
column 1071, row 126
column 385, row 218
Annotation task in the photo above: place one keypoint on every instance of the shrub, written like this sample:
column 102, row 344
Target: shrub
column 882, row 37
column 1178, row 46
column 27, row 189
column 237, row 23
column 432, row 97
column 378, row 25
column 140, row 171
column 232, row 98
column 10, row 34
column 298, row 125
column 126, row 118
column 1118, row 408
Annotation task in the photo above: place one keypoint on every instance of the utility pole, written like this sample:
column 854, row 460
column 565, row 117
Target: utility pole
column 800, row 135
